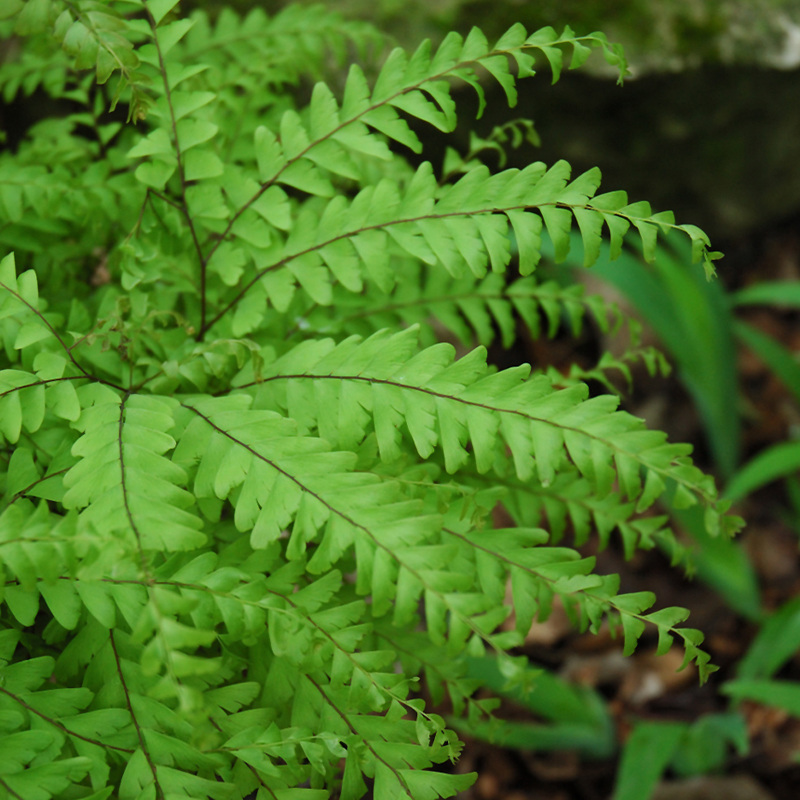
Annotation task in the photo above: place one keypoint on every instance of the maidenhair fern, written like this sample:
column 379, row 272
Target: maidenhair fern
column 248, row 496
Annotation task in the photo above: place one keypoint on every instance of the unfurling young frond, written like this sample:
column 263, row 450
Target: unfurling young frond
column 248, row 492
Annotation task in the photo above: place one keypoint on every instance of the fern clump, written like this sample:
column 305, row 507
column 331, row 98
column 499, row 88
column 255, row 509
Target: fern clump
column 248, row 497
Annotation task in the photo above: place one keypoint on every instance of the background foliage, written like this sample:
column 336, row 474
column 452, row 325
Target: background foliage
column 669, row 34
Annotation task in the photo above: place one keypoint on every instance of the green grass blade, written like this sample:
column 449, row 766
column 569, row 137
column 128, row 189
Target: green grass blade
column 777, row 293
column 780, row 694
column 775, row 462
column 776, row 642
column 551, row 697
column 578, row 715
column 645, row 756
column 586, row 739
column 704, row 749
column 780, row 360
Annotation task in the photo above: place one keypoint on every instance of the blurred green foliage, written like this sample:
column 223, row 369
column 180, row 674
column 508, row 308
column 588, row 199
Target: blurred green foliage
column 662, row 35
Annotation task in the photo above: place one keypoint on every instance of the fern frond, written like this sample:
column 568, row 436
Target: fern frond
column 517, row 130
column 464, row 231
column 654, row 361
column 124, row 481
column 93, row 35
column 278, row 474
column 36, row 67
column 419, row 656
column 570, row 501
column 52, row 188
column 469, row 308
column 561, row 571
column 446, row 404
column 295, row 41
column 284, row 477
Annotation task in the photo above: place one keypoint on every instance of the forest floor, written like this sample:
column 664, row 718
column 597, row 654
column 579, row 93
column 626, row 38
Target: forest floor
column 645, row 687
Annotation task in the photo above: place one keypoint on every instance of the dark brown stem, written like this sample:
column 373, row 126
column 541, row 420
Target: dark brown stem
column 142, row 742
column 182, row 174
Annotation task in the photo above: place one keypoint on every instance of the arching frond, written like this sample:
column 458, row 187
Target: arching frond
column 384, row 384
